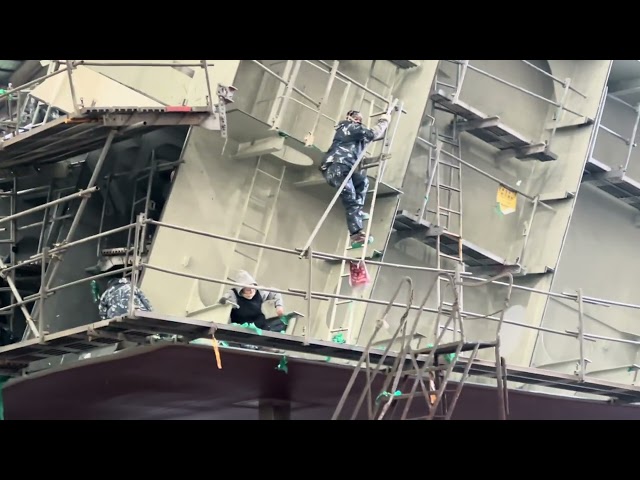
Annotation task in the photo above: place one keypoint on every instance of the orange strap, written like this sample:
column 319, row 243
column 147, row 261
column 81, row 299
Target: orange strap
column 216, row 350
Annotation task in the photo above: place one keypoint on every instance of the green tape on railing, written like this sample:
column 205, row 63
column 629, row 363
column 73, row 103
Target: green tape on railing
column 3, row 380
column 338, row 338
column 252, row 326
column 282, row 366
column 95, row 291
column 397, row 393
column 449, row 357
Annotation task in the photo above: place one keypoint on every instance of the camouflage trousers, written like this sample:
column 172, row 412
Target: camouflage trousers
column 352, row 196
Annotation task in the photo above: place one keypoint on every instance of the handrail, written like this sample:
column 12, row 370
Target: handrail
column 561, row 105
column 69, row 66
column 631, row 141
column 140, row 266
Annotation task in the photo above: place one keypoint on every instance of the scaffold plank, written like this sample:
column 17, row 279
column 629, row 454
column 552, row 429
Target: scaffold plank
column 16, row 357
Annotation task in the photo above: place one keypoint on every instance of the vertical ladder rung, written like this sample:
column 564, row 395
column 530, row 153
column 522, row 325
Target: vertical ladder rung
column 447, row 164
column 457, row 259
column 268, row 174
column 246, row 255
column 444, row 214
column 449, row 187
column 444, row 84
column 450, row 211
column 253, row 228
column 449, row 142
column 258, row 201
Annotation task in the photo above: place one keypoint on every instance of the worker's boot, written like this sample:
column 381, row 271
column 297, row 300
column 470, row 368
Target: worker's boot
column 359, row 239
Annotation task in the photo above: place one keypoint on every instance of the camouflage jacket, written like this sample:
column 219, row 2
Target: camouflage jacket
column 115, row 300
column 350, row 140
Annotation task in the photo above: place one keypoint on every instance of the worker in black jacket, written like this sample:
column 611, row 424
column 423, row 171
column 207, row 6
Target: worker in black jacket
column 248, row 302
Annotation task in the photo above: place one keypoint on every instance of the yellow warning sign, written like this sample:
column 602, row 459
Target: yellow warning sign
column 506, row 200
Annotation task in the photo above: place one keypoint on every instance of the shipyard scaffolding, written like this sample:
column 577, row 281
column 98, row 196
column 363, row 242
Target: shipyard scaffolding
column 269, row 128
column 438, row 220
column 417, row 367
column 58, row 142
column 139, row 326
column 430, row 367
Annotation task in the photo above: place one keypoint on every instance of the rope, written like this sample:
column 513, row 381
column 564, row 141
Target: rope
column 216, row 351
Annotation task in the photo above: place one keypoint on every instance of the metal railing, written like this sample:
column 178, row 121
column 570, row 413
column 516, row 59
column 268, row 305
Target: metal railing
column 630, row 141
column 68, row 67
column 560, row 105
column 139, row 266
column 288, row 87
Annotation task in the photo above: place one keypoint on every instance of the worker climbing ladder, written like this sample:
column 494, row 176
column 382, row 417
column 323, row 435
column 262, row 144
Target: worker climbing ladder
column 357, row 273
column 256, row 218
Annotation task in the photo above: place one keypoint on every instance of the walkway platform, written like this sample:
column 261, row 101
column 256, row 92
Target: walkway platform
column 614, row 183
column 473, row 256
column 492, row 131
column 87, row 131
column 16, row 357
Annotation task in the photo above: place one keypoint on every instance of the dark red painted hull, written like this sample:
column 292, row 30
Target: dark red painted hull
column 183, row 382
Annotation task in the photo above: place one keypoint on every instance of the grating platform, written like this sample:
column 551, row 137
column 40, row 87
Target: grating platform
column 472, row 255
column 16, row 357
column 611, row 182
column 492, row 131
column 87, row 131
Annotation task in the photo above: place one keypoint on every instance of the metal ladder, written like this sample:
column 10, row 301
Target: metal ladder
column 388, row 85
column 265, row 206
column 147, row 176
column 387, row 142
column 444, row 175
column 448, row 217
column 11, row 241
column 52, row 218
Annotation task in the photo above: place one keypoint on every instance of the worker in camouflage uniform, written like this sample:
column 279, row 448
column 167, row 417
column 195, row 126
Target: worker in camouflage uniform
column 349, row 143
column 114, row 302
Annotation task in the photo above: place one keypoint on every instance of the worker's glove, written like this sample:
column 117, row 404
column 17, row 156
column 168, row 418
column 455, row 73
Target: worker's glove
column 385, row 117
